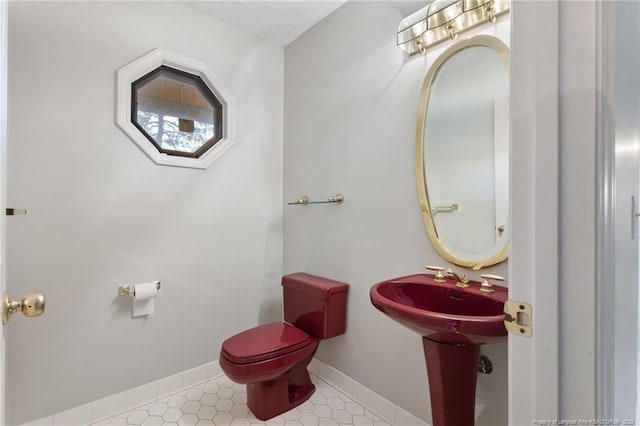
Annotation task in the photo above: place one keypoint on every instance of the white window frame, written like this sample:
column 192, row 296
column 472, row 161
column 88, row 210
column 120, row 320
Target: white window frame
column 144, row 65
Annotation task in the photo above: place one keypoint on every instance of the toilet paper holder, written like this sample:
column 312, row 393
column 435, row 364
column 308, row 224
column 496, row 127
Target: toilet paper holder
column 123, row 290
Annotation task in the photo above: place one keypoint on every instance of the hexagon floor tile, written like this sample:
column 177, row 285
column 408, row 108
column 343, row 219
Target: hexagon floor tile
column 221, row 402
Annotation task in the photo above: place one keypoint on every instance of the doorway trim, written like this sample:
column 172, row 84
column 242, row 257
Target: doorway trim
column 3, row 186
column 605, row 230
column 533, row 262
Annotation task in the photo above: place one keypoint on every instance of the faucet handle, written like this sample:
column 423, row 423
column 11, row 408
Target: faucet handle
column 439, row 277
column 485, row 285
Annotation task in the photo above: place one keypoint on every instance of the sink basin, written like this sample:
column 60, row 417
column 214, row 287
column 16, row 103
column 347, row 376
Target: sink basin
column 443, row 312
column 453, row 323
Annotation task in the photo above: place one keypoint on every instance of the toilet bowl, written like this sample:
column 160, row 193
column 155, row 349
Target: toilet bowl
column 272, row 359
column 265, row 352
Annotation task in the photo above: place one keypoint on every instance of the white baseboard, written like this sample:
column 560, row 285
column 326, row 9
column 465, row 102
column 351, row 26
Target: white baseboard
column 119, row 403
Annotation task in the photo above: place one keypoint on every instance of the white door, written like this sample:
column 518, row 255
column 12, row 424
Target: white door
column 574, row 170
column 612, row 45
column 622, row 350
column 533, row 257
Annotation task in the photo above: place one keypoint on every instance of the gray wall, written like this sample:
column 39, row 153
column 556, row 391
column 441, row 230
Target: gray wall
column 350, row 112
column 102, row 214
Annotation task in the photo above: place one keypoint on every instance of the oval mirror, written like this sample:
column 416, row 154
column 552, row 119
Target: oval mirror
column 462, row 152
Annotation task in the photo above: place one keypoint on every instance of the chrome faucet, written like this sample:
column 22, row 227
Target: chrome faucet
column 463, row 281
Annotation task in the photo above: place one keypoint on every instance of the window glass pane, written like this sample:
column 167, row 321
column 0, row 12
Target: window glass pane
column 177, row 111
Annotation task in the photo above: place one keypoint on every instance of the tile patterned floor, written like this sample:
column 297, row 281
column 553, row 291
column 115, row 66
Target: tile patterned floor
column 221, row 402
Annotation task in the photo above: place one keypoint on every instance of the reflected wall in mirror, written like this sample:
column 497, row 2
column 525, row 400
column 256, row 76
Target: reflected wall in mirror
column 462, row 152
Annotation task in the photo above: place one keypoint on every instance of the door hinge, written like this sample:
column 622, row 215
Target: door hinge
column 518, row 318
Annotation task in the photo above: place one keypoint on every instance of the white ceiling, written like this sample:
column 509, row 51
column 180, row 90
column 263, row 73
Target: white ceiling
column 278, row 21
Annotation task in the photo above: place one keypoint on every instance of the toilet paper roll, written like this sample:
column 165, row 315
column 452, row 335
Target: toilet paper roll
column 143, row 298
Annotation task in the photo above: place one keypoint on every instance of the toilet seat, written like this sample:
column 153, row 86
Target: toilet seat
column 265, row 342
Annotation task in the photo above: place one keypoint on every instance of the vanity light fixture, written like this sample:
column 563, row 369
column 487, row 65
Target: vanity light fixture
column 444, row 20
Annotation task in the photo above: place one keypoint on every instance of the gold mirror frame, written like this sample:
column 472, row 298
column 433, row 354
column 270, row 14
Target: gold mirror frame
column 503, row 51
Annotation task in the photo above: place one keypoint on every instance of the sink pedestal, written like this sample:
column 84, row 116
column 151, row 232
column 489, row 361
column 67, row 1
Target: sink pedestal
column 453, row 371
column 453, row 323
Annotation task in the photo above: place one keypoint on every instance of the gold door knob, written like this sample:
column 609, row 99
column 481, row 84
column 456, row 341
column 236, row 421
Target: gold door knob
column 31, row 305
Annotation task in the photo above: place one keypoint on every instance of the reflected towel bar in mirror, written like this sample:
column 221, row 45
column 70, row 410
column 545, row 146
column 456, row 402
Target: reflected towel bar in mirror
column 444, row 208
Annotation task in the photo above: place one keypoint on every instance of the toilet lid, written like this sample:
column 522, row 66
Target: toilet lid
column 264, row 342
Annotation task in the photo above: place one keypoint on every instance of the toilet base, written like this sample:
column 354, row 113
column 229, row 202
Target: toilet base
column 274, row 397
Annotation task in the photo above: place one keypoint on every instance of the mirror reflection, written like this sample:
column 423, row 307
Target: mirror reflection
column 176, row 111
column 464, row 153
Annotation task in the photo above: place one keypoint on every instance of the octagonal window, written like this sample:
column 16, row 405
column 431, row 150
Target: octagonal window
column 176, row 111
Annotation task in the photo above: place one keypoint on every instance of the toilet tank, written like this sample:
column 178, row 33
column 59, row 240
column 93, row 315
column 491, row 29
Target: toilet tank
column 315, row 304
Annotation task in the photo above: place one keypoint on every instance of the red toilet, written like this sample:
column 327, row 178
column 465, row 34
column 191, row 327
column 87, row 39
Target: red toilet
column 272, row 359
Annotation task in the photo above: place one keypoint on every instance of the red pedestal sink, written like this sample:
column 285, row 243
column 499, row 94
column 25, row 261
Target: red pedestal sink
column 453, row 322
